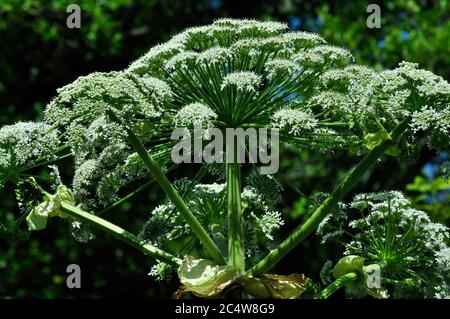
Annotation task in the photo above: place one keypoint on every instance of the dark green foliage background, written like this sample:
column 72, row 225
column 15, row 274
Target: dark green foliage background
column 39, row 54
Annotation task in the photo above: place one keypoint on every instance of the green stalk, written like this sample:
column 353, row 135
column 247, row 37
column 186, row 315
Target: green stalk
column 173, row 195
column 337, row 284
column 127, row 197
column 236, row 256
column 120, row 233
column 329, row 204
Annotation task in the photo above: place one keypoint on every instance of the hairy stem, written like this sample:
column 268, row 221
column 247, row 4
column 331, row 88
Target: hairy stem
column 173, row 195
column 235, row 225
column 337, row 284
column 120, row 233
column 329, row 204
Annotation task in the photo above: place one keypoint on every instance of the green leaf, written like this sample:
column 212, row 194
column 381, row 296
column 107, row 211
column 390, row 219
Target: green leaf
column 205, row 278
column 37, row 218
column 422, row 185
column 276, row 286
column 348, row 264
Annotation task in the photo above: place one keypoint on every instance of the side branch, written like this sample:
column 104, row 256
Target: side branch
column 329, row 204
column 120, row 233
column 173, row 195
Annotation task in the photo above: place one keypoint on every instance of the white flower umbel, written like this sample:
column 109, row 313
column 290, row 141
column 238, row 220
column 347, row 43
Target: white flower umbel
column 428, row 84
column 209, row 190
column 269, row 222
column 150, row 62
column 294, row 121
column 24, row 141
column 402, row 240
column 157, row 89
column 308, row 59
column 181, row 60
column 84, row 174
column 430, row 119
column 215, row 55
column 249, row 27
column 228, row 74
column 332, row 102
column 264, row 28
column 333, row 54
column 194, row 114
column 300, row 39
column 91, row 96
column 281, row 67
column 242, row 81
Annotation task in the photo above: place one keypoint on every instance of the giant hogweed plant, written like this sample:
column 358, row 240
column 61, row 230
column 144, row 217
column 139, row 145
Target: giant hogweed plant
column 117, row 127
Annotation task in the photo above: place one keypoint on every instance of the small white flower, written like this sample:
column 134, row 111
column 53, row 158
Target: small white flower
column 194, row 114
column 282, row 67
column 24, row 141
column 307, row 58
column 181, row 60
column 269, row 222
column 210, row 190
column 152, row 60
column 294, row 121
column 302, row 39
column 214, row 55
column 333, row 102
column 242, row 81
column 332, row 53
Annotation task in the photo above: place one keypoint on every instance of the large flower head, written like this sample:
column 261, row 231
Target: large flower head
column 411, row 250
column 241, row 73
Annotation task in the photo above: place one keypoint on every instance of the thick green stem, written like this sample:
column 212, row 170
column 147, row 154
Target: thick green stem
column 337, row 284
column 236, row 256
column 173, row 195
column 119, row 233
column 328, row 205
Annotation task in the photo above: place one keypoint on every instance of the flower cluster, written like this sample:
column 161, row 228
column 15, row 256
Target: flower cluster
column 240, row 72
column 412, row 251
column 98, row 145
column 294, row 121
column 244, row 73
column 91, row 96
column 242, row 81
column 24, row 142
column 194, row 114
column 208, row 203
